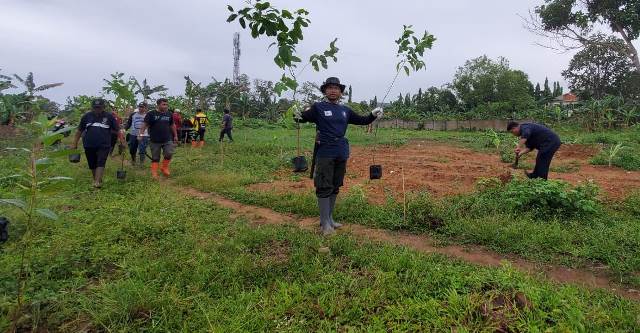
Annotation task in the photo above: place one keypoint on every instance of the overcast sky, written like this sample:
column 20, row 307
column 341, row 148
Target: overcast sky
column 82, row 42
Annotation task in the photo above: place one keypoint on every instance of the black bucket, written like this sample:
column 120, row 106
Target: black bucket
column 300, row 164
column 375, row 171
column 74, row 158
column 121, row 174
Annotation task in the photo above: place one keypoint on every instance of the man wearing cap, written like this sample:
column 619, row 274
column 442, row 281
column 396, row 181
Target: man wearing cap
column 536, row 136
column 96, row 128
column 134, row 124
column 331, row 119
column 162, row 130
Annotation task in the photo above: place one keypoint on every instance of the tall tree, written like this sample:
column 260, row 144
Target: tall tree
column 546, row 93
column 573, row 24
column 407, row 100
column 601, row 69
column 537, row 94
column 145, row 90
column 482, row 81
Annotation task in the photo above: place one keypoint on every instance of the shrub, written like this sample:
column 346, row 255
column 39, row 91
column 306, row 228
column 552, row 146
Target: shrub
column 540, row 198
column 628, row 158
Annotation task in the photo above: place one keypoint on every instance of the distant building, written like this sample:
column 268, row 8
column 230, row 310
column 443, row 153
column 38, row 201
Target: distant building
column 568, row 99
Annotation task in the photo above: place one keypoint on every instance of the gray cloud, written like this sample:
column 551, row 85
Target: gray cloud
column 82, row 42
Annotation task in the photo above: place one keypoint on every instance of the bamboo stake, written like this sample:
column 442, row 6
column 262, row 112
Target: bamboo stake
column 404, row 196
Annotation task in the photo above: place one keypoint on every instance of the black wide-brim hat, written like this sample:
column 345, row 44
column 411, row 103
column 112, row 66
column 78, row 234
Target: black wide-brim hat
column 332, row 81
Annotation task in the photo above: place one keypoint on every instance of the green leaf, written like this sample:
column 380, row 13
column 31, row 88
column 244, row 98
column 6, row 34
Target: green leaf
column 243, row 24
column 60, row 178
column 64, row 152
column 44, row 212
column 50, row 139
column 406, row 70
column 230, row 8
column 44, row 161
column 232, row 17
column 19, row 203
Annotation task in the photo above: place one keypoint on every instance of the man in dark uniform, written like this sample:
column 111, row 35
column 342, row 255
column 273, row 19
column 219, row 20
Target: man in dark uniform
column 96, row 128
column 161, row 132
column 535, row 136
column 226, row 126
column 331, row 119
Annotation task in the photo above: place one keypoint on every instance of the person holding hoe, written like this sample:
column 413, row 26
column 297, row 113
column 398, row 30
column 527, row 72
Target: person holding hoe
column 96, row 128
column 162, row 130
column 536, row 136
column 331, row 119
column 134, row 124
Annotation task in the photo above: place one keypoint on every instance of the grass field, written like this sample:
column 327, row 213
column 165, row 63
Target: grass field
column 143, row 256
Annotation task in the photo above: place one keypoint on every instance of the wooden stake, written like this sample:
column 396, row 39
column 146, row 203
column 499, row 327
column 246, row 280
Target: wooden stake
column 404, row 196
column 222, row 153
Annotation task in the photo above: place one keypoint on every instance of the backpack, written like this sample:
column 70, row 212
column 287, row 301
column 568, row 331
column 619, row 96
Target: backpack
column 4, row 229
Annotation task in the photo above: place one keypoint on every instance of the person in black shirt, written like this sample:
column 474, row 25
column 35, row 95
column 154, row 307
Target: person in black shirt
column 162, row 130
column 536, row 136
column 227, row 125
column 96, row 128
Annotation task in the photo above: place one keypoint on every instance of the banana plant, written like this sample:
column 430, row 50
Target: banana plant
column 145, row 90
column 30, row 106
column 31, row 183
column 613, row 152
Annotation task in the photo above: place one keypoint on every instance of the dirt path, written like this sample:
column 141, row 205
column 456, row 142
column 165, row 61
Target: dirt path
column 422, row 243
column 444, row 169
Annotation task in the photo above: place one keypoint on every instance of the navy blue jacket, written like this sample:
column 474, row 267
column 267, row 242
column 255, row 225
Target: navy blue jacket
column 331, row 124
column 97, row 129
column 538, row 136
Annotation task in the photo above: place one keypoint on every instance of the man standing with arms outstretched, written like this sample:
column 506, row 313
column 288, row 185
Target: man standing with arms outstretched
column 162, row 135
column 536, row 136
column 331, row 119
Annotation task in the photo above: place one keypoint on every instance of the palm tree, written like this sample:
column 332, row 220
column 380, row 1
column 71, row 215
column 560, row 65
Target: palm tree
column 5, row 83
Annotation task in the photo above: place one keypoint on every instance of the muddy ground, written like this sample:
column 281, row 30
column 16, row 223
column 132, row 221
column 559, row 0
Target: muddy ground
column 443, row 170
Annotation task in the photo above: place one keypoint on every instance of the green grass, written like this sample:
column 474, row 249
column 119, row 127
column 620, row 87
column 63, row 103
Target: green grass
column 137, row 256
column 611, row 237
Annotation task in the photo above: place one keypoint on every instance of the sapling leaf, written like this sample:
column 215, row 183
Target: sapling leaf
column 44, row 212
column 19, row 203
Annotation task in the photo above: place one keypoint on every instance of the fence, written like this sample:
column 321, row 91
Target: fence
column 447, row 125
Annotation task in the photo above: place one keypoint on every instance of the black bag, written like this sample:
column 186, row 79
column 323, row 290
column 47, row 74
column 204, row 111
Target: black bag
column 4, row 229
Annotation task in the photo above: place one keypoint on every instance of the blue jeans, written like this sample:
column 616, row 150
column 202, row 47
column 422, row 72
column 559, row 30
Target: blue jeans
column 139, row 147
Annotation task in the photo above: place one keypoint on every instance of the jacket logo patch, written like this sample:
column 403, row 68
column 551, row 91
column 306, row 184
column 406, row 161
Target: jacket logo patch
column 328, row 114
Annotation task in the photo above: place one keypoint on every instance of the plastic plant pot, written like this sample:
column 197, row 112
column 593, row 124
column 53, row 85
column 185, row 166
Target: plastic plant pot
column 121, row 174
column 74, row 158
column 300, row 164
column 375, row 171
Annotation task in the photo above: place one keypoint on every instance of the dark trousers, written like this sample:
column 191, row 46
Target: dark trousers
column 328, row 176
column 96, row 157
column 543, row 160
column 226, row 131
column 199, row 135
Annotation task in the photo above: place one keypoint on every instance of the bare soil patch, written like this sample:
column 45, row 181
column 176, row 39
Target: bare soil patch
column 444, row 170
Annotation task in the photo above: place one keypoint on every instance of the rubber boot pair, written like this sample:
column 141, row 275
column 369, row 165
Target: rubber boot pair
column 97, row 177
column 194, row 143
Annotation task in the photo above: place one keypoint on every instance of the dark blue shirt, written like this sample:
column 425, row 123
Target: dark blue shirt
column 538, row 136
column 331, row 124
column 97, row 129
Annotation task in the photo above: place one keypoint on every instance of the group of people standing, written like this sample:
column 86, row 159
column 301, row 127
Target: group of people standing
column 157, row 129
